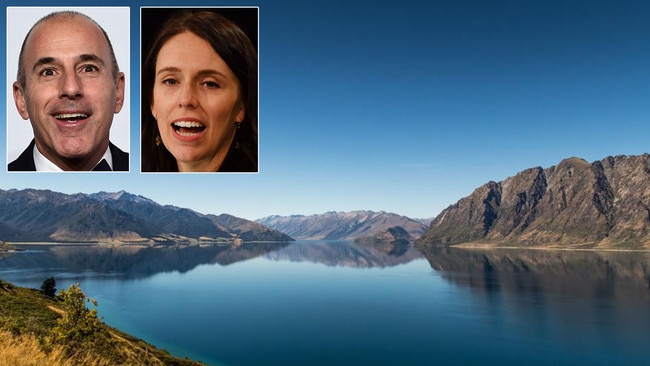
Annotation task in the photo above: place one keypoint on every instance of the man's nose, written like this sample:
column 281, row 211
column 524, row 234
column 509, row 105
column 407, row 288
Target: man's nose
column 70, row 86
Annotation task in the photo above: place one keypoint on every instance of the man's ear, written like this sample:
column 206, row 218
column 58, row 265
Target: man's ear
column 19, row 99
column 119, row 92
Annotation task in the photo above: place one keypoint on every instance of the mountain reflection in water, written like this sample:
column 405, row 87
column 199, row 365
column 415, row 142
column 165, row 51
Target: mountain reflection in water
column 578, row 274
column 348, row 254
column 133, row 261
column 478, row 269
column 352, row 304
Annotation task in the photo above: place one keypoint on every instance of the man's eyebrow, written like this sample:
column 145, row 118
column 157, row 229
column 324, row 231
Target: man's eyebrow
column 91, row 57
column 42, row 61
column 85, row 57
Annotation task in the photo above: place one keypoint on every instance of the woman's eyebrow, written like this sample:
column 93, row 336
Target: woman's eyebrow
column 199, row 73
column 168, row 69
column 210, row 72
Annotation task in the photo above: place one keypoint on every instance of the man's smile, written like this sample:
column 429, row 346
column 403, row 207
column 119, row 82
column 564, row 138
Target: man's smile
column 71, row 117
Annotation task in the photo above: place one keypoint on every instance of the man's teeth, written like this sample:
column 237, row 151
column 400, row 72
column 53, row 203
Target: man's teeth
column 69, row 116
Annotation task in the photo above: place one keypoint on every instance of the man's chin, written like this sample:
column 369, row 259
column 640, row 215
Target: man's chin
column 79, row 149
column 75, row 154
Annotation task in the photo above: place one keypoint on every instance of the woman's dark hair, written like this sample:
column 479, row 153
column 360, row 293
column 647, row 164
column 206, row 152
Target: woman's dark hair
column 237, row 51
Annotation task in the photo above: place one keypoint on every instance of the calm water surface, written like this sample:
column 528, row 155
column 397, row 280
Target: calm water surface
column 337, row 303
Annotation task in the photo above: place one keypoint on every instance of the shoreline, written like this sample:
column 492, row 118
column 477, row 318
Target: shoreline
column 133, row 244
column 492, row 246
column 470, row 246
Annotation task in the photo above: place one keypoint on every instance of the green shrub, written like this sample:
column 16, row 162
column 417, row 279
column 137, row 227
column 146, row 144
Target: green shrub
column 79, row 330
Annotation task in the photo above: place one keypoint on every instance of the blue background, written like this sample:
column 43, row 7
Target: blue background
column 408, row 106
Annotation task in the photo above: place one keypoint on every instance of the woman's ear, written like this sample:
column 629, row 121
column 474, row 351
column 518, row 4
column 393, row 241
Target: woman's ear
column 241, row 113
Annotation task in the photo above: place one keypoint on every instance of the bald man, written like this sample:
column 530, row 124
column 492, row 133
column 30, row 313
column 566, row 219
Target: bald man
column 69, row 87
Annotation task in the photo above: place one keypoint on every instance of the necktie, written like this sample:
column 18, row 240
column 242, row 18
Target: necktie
column 102, row 167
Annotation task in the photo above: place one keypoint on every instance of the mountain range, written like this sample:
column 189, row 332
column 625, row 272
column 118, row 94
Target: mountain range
column 574, row 204
column 344, row 225
column 41, row 215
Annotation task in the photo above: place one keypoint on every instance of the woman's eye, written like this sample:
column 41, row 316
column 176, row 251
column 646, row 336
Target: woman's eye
column 211, row 84
column 169, row 82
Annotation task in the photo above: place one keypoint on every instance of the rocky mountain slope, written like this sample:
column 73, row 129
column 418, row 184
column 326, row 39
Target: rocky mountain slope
column 575, row 204
column 395, row 235
column 42, row 215
column 341, row 225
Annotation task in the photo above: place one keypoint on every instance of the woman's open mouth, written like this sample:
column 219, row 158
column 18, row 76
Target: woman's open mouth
column 188, row 128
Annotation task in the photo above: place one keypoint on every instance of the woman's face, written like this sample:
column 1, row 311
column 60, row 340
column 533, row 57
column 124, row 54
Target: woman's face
column 196, row 102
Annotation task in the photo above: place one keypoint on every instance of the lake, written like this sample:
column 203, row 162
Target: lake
column 338, row 303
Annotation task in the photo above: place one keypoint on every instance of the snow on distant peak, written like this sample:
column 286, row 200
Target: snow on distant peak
column 121, row 196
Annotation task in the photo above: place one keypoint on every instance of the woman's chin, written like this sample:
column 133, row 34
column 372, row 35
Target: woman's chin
column 194, row 161
column 187, row 155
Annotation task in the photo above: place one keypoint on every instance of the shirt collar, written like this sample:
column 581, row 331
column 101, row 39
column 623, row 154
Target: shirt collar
column 43, row 164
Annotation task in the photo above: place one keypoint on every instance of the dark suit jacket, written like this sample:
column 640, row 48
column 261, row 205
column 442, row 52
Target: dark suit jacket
column 25, row 162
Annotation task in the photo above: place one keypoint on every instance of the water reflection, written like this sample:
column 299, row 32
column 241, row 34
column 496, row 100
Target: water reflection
column 348, row 254
column 586, row 306
column 456, row 307
column 131, row 261
column 576, row 274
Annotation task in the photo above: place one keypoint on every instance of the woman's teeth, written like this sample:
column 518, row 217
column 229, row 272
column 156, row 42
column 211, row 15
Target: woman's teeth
column 188, row 128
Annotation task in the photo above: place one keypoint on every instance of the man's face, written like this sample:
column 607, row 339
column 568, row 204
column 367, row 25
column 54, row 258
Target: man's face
column 70, row 93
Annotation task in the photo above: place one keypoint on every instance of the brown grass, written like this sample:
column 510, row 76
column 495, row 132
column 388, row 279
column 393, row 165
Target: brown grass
column 24, row 350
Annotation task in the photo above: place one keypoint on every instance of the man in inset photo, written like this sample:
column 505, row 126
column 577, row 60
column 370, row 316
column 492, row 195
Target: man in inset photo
column 69, row 86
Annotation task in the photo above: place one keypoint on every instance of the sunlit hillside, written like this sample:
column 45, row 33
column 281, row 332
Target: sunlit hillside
column 36, row 329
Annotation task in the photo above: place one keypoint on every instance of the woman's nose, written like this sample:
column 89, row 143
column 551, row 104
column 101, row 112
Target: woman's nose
column 188, row 97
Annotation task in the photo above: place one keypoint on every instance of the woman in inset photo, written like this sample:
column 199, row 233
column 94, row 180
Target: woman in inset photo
column 199, row 93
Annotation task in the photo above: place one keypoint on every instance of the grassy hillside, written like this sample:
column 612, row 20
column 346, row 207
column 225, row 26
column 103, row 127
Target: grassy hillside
column 33, row 332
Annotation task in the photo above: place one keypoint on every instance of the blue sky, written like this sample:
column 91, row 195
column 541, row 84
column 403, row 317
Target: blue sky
column 407, row 107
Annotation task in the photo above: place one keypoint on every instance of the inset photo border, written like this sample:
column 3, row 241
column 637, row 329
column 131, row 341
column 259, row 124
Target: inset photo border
column 116, row 23
column 160, row 151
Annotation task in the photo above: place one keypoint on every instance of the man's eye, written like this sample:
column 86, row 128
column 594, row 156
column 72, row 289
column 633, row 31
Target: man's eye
column 47, row 72
column 89, row 68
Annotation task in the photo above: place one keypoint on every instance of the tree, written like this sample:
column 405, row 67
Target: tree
column 48, row 288
column 79, row 329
